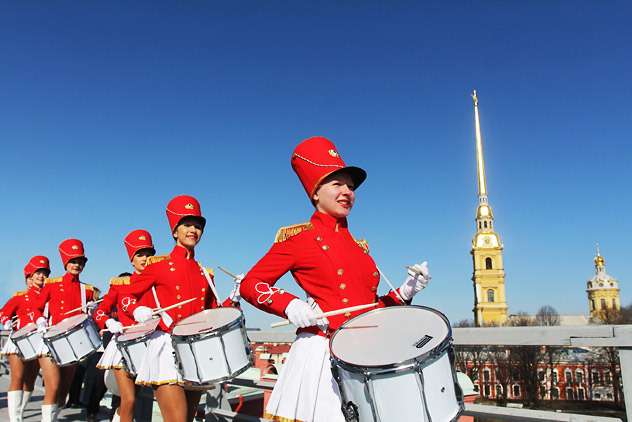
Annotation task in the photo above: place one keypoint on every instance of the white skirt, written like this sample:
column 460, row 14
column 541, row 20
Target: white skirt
column 111, row 358
column 306, row 391
column 9, row 348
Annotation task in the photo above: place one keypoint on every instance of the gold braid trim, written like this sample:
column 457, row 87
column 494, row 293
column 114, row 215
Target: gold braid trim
column 53, row 280
column 210, row 270
column 363, row 244
column 279, row 418
column 119, row 281
column 287, row 232
column 157, row 258
column 20, row 293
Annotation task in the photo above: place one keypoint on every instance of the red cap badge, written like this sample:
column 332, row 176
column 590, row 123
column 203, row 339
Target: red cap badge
column 183, row 206
column 137, row 240
column 316, row 158
column 38, row 262
column 71, row 248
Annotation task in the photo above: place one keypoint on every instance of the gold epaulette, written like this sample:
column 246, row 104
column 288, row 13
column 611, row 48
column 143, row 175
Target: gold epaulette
column 20, row 293
column 285, row 233
column 210, row 270
column 157, row 258
column 119, row 281
column 363, row 243
column 53, row 280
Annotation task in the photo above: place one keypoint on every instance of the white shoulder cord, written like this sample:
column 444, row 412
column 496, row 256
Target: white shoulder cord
column 210, row 283
column 83, row 289
column 166, row 319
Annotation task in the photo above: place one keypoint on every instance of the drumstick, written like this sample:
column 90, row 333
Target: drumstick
column 81, row 307
column 330, row 313
column 416, row 271
column 230, row 274
column 159, row 310
column 391, row 286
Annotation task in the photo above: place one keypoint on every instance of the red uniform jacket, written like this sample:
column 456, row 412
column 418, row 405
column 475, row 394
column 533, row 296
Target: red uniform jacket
column 118, row 287
column 64, row 294
column 176, row 277
column 24, row 305
column 326, row 261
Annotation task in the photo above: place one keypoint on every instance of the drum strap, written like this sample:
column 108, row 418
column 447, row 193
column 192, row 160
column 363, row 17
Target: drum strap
column 82, row 289
column 166, row 319
column 210, row 283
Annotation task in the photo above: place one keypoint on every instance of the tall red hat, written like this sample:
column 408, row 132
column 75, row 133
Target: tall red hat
column 71, row 248
column 316, row 158
column 137, row 240
column 183, row 206
column 38, row 262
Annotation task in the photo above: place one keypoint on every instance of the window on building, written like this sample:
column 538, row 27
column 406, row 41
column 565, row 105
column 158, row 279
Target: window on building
column 490, row 295
column 568, row 377
column 516, row 391
column 488, row 263
column 486, row 375
column 541, row 376
column 485, row 224
column 607, row 377
column 597, row 396
column 609, row 396
column 570, row 394
column 581, row 395
column 603, row 303
column 474, row 374
column 499, row 391
column 580, row 377
column 554, row 377
column 595, row 377
column 592, row 305
column 479, row 225
column 589, row 285
column 614, row 304
column 542, row 391
column 555, row 393
column 487, row 390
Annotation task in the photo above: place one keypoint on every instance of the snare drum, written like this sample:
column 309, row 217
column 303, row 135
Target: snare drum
column 133, row 343
column 72, row 340
column 212, row 346
column 391, row 363
column 27, row 339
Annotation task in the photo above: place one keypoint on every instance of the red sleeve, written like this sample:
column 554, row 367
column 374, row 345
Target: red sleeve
column 102, row 313
column 8, row 310
column 257, row 288
column 128, row 299
column 42, row 299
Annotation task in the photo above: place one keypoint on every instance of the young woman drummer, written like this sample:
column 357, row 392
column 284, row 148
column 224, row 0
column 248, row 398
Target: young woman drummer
column 63, row 295
column 22, row 306
column 176, row 277
column 335, row 271
column 139, row 247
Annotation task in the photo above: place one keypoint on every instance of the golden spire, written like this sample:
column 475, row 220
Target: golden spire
column 599, row 261
column 482, row 186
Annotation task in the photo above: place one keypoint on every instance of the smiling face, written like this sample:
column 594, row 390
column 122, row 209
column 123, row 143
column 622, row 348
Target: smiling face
column 335, row 195
column 75, row 266
column 188, row 232
column 38, row 277
column 139, row 260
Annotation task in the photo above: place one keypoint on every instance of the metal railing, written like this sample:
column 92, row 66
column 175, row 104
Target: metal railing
column 619, row 336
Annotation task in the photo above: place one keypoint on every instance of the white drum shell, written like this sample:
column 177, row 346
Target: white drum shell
column 27, row 340
column 134, row 345
column 425, row 387
column 75, row 343
column 216, row 355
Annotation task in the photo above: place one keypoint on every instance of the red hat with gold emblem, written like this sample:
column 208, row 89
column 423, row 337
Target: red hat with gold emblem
column 38, row 262
column 183, row 206
column 71, row 248
column 316, row 158
column 137, row 240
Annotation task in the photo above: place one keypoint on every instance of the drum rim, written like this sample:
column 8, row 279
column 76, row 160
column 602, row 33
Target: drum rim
column 423, row 358
column 33, row 330
column 46, row 335
column 120, row 340
column 216, row 331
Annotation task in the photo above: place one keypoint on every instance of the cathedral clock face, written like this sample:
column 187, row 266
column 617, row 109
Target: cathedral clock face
column 487, row 240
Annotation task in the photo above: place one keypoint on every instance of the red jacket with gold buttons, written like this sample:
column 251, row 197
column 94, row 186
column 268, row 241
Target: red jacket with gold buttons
column 24, row 305
column 62, row 295
column 118, row 288
column 326, row 261
column 176, row 277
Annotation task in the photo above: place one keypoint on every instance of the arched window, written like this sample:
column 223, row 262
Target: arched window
column 485, row 224
column 614, row 304
column 603, row 303
column 488, row 263
column 479, row 224
column 490, row 295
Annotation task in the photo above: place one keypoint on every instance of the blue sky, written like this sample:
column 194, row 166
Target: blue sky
column 110, row 109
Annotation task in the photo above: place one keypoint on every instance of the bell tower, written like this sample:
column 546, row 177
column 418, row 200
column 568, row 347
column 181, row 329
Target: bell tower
column 603, row 292
column 490, row 305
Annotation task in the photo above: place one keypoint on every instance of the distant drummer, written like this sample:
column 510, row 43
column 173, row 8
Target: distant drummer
column 335, row 271
column 20, row 311
column 139, row 247
column 66, row 296
column 176, row 278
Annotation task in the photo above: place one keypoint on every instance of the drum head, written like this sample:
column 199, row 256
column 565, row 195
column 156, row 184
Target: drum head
column 208, row 320
column 139, row 330
column 388, row 336
column 65, row 325
column 24, row 330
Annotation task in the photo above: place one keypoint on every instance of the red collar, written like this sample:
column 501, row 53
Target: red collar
column 180, row 252
column 328, row 221
column 69, row 278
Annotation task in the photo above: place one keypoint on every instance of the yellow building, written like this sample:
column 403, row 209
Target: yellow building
column 490, row 304
column 603, row 292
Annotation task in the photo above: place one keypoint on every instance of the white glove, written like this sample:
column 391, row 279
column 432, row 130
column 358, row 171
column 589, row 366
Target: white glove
column 417, row 280
column 300, row 314
column 41, row 324
column 323, row 323
column 8, row 325
column 114, row 326
column 91, row 307
column 235, row 295
column 142, row 314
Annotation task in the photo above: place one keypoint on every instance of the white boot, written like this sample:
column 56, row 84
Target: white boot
column 116, row 417
column 14, row 403
column 26, row 396
column 49, row 412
